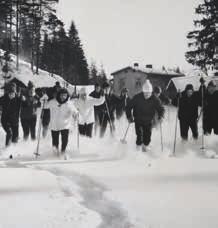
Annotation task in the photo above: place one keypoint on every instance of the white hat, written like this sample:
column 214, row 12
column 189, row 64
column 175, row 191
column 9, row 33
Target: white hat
column 82, row 90
column 147, row 87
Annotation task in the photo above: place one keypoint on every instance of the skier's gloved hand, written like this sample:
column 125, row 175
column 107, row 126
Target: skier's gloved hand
column 131, row 120
column 160, row 120
column 75, row 116
column 23, row 98
column 202, row 81
column 102, row 93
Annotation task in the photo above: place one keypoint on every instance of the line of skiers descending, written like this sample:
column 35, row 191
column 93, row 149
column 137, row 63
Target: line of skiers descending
column 189, row 101
column 100, row 108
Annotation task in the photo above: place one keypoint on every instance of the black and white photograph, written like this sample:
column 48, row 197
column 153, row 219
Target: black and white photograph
column 108, row 114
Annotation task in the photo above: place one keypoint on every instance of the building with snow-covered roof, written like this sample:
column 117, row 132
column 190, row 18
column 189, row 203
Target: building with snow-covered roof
column 133, row 78
column 178, row 84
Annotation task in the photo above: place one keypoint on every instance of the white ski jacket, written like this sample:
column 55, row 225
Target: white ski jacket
column 86, row 109
column 61, row 114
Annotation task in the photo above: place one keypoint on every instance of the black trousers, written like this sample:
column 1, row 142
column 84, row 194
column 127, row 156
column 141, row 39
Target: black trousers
column 104, row 121
column 11, row 132
column 29, row 127
column 209, row 125
column 64, row 139
column 86, row 129
column 143, row 133
column 184, row 127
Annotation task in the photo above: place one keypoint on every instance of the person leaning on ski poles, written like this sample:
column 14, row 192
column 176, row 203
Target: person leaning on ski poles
column 85, row 105
column 210, row 112
column 61, row 110
column 188, row 102
column 107, row 110
column 28, row 113
column 10, row 103
column 142, row 109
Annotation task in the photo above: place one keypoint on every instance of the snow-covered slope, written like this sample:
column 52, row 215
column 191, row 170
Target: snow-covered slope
column 43, row 79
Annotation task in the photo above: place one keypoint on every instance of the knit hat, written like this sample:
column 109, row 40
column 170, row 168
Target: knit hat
column 82, row 91
column 147, row 87
column 61, row 91
column 11, row 88
column 157, row 89
column 212, row 83
column 30, row 85
column 105, row 85
column 97, row 84
column 189, row 87
column 57, row 84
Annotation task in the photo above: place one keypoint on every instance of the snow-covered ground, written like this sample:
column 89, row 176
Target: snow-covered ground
column 108, row 184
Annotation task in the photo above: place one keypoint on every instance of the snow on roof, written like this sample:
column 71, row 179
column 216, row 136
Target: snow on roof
column 149, row 71
column 181, row 82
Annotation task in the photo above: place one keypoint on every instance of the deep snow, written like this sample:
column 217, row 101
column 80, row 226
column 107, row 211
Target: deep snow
column 110, row 185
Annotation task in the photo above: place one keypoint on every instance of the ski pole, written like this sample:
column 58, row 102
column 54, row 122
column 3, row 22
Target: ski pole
column 177, row 115
column 110, row 122
column 78, row 136
column 39, row 130
column 123, row 140
column 202, row 111
column 161, row 137
column 199, row 116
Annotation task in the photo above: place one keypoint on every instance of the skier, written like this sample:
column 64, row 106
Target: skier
column 210, row 121
column 28, row 115
column 107, row 110
column 189, row 101
column 121, row 103
column 56, row 88
column 10, row 104
column 61, row 111
column 96, row 94
column 143, row 107
column 157, row 91
column 51, row 92
column 85, row 106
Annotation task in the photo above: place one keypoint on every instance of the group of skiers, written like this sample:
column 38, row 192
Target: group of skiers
column 100, row 108
column 189, row 102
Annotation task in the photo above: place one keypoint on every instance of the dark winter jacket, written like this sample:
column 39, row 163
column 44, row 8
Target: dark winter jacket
column 211, row 108
column 29, row 107
column 10, row 109
column 95, row 94
column 108, row 106
column 144, row 110
column 121, row 103
column 188, row 106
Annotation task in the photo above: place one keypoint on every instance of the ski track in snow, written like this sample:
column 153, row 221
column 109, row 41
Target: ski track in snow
column 93, row 198
column 93, row 193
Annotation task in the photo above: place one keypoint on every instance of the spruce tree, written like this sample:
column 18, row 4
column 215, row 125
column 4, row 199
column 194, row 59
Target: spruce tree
column 202, row 39
column 78, row 57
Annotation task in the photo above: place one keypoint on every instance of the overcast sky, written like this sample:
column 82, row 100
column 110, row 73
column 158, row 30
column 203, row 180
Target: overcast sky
column 118, row 33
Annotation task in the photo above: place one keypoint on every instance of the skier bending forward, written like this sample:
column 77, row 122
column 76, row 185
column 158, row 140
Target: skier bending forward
column 61, row 110
column 144, row 106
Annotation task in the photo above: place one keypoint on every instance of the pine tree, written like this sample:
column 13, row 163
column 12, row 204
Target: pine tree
column 93, row 73
column 202, row 39
column 102, row 75
column 78, row 57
